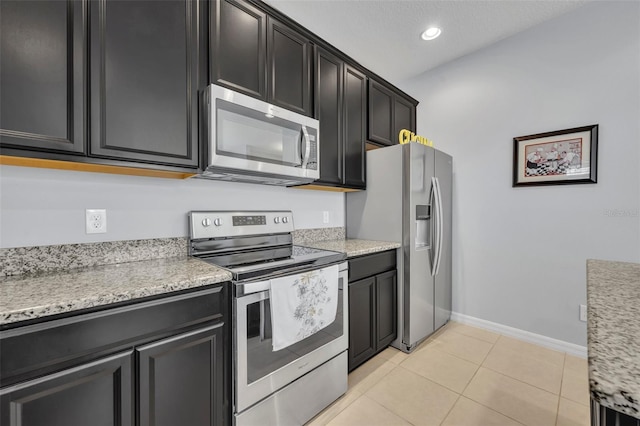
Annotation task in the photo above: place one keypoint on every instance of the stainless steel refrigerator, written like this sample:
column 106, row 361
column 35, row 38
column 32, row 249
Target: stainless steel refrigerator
column 408, row 200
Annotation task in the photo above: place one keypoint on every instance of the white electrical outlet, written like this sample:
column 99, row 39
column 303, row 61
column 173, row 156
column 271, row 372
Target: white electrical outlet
column 583, row 313
column 325, row 217
column 96, row 221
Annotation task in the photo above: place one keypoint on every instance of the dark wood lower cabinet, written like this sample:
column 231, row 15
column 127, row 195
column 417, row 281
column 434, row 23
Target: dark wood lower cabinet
column 362, row 319
column 386, row 308
column 159, row 362
column 373, row 302
column 98, row 393
column 181, row 380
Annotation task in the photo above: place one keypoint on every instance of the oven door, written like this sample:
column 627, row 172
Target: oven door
column 259, row 370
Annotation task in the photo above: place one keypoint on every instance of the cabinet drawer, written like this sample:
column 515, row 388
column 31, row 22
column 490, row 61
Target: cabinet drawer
column 371, row 264
column 38, row 349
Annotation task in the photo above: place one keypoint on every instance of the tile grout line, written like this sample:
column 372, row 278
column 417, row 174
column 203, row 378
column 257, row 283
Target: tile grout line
column 564, row 362
column 517, row 380
column 478, row 402
column 450, row 409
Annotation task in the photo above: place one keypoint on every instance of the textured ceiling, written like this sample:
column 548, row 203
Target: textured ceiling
column 384, row 35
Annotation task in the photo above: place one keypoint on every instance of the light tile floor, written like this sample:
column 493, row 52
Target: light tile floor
column 465, row 376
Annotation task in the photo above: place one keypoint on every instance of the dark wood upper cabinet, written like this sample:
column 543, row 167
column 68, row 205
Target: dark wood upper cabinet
column 259, row 56
column 328, row 98
column 381, row 102
column 389, row 112
column 340, row 96
column 146, row 70
column 289, row 68
column 239, row 47
column 42, row 51
column 404, row 117
column 355, row 105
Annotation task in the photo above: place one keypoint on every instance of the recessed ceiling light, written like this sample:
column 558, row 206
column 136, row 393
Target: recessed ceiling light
column 431, row 33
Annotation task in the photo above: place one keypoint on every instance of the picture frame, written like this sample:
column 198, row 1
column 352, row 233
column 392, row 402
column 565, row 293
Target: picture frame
column 561, row 157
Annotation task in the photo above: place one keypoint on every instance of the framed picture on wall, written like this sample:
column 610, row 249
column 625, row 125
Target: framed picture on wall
column 556, row 158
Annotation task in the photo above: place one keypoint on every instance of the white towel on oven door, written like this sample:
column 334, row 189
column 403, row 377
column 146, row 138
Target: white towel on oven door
column 302, row 304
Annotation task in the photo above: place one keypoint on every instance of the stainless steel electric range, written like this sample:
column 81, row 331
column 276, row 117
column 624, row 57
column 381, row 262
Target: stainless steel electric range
column 291, row 385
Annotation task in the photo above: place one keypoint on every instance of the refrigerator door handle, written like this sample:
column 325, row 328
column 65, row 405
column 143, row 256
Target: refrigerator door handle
column 439, row 225
column 434, row 230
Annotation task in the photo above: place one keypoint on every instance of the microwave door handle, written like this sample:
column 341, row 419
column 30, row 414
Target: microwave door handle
column 307, row 147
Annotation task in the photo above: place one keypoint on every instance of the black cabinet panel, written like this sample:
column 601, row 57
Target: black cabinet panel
column 42, row 48
column 328, row 97
column 404, row 117
column 362, row 307
column 289, row 66
column 42, row 348
column 238, row 44
column 386, row 305
column 373, row 304
column 371, row 264
column 99, row 393
column 145, row 74
column 355, row 118
column 381, row 102
column 389, row 112
column 181, row 380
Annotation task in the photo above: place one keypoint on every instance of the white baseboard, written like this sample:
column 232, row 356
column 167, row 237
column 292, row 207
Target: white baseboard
column 527, row 336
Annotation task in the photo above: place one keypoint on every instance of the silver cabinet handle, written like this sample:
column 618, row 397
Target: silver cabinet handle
column 307, row 147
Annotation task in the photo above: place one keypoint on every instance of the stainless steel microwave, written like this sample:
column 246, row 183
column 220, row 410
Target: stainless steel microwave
column 250, row 140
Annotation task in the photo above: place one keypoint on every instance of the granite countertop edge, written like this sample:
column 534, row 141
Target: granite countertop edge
column 95, row 283
column 97, row 289
column 613, row 334
column 355, row 247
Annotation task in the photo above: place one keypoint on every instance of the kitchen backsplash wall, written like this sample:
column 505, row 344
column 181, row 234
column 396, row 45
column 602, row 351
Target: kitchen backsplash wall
column 302, row 236
column 29, row 260
column 47, row 207
column 26, row 260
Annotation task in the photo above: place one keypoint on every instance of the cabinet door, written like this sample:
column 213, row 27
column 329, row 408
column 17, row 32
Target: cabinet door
column 362, row 319
column 289, row 68
column 98, row 393
column 381, row 103
column 328, row 97
column 386, row 302
column 238, row 47
column 145, row 75
column 355, row 101
column 182, row 380
column 42, row 46
column 404, row 117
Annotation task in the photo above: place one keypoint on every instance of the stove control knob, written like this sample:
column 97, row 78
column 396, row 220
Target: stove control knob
column 285, row 219
column 276, row 219
column 217, row 221
column 206, row 222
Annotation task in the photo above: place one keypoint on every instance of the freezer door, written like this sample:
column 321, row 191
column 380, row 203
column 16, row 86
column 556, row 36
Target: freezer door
column 418, row 294
column 444, row 175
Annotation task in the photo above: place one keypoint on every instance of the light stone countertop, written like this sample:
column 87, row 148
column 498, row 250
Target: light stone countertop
column 28, row 297
column 613, row 332
column 354, row 247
